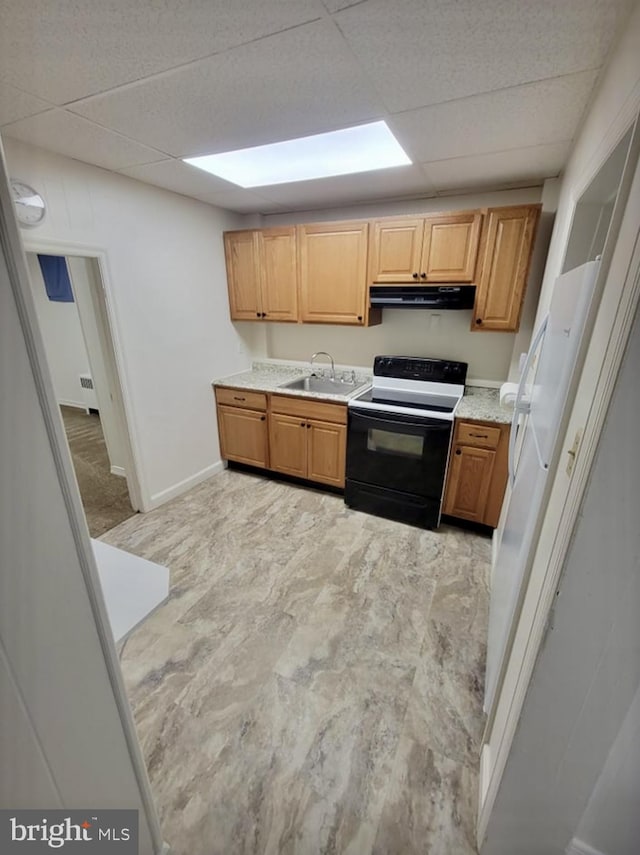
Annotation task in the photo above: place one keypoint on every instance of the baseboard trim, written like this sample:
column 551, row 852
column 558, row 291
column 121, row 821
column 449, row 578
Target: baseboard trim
column 118, row 470
column 77, row 405
column 579, row 847
column 157, row 499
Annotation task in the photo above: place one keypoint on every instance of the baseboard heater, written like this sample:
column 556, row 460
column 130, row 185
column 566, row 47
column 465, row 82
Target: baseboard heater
column 439, row 297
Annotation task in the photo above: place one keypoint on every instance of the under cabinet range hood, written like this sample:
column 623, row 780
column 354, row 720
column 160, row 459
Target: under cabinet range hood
column 423, row 296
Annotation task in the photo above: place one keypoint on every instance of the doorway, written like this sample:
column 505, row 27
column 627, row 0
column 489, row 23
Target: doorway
column 69, row 299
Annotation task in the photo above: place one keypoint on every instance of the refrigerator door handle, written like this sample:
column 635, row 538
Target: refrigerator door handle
column 522, row 407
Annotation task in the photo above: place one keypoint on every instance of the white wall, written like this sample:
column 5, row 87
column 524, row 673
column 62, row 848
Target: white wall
column 611, row 821
column 168, row 295
column 66, row 733
column 415, row 333
column 63, row 339
column 613, row 109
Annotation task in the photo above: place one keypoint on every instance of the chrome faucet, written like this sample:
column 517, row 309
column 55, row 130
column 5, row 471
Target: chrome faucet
column 323, row 353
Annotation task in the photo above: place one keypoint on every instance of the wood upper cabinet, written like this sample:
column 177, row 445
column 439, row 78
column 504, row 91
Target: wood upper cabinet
column 333, row 272
column 308, row 439
column 262, row 274
column 277, row 259
column 450, row 248
column 440, row 248
column 243, row 275
column 242, row 430
column 477, row 475
column 503, row 266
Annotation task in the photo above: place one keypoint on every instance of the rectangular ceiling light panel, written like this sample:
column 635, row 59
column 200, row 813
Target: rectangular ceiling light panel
column 360, row 149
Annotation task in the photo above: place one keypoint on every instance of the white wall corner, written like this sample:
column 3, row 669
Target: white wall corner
column 579, row 847
column 157, row 499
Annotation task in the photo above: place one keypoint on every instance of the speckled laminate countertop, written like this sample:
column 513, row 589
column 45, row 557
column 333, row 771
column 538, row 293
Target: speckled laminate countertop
column 268, row 377
column 482, row 404
column 479, row 402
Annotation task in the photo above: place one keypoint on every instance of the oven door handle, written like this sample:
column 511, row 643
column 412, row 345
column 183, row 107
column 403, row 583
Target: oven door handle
column 442, row 424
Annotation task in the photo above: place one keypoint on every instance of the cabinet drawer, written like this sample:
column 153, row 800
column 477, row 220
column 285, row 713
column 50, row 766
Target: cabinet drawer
column 309, row 409
column 478, row 435
column 242, row 398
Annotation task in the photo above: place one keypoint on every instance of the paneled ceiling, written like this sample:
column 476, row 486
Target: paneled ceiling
column 481, row 94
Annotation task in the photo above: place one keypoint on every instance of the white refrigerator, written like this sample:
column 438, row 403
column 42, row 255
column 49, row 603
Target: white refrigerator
column 539, row 407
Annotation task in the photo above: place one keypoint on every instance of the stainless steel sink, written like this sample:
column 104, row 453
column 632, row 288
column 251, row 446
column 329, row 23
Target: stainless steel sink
column 321, row 384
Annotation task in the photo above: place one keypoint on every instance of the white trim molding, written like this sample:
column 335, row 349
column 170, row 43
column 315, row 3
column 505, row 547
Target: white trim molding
column 181, row 487
column 579, row 847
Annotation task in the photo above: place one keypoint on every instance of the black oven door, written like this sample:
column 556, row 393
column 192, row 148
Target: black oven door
column 397, row 452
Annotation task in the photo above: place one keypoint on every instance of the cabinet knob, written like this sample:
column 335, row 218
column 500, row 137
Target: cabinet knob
column 423, row 275
column 308, row 425
column 359, row 317
column 415, row 275
column 262, row 418
column 236, row 398
column 479, row 321
column 264, row 314
column 257, row 314
column 302, row 424
column 458, row 451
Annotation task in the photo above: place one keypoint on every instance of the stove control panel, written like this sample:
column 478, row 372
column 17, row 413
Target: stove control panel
column 420, row 368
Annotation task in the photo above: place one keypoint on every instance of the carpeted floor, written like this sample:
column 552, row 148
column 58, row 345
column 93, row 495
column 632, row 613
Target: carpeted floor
column 105, row 497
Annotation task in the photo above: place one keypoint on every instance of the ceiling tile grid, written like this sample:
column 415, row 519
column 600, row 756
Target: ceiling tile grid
column 521, row 116
column 65, row 133
column 296, row 83
column 83, row 47
column 478, row 92
column 422, row 52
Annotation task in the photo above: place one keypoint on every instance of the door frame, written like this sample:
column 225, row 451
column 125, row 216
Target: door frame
column 610, row 325
column 113, row 355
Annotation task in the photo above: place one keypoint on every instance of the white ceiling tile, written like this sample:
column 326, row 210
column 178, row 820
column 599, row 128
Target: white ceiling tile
column 337, row 5
column 16, row 104
column 533, row 114
column 400, row 181
column 75, row 49
column 179, row 177
column 420, row 52
column 296, row 83
column 66, row 133
column 241, row 201
column 498, row 168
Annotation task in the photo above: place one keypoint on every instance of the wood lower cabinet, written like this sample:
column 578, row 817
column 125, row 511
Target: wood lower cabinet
column 243, row 435
column 333, row 273
column 505, row 255
column 262, row 276
column 303, row 437
column 438, row 248
column 288, row 444
column 477, row 475
column 308, row 439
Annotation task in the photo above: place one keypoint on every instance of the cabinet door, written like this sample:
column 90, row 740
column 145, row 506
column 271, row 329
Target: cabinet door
column 450, row 248
column 279, row 274
column 243, row 435
column 326, row 453
column 288, row 444
column 505, row 255
column 243, row 275
column 395, row 250
column 469, row 482
column 333, row 272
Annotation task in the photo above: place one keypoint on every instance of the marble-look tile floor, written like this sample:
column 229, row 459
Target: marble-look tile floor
column 314, row 683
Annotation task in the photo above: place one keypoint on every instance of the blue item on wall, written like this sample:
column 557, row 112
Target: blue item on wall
column 56, row 278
